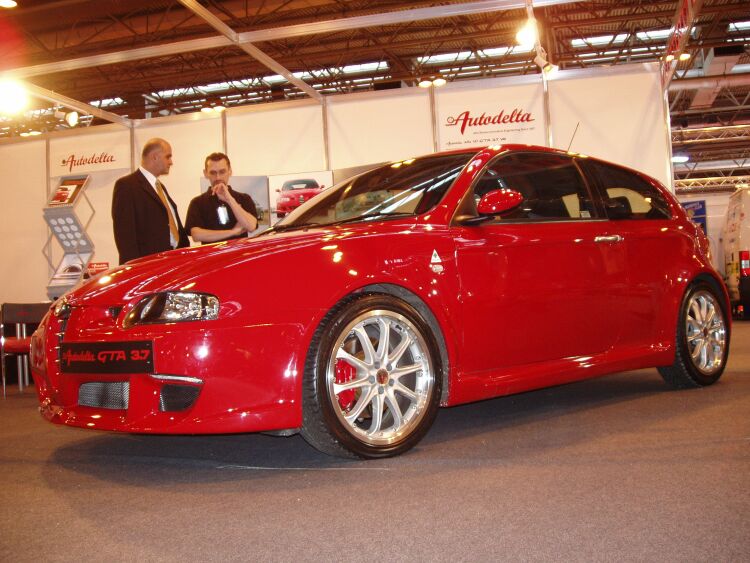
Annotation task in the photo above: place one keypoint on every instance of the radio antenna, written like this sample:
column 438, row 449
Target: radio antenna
column 573, row 136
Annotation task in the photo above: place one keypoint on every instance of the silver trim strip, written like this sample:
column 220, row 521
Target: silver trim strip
column 176, row 378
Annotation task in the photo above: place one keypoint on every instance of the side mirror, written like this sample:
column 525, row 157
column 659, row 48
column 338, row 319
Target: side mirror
column 497, row 202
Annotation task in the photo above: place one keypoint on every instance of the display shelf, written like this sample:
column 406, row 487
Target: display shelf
column 70, row 232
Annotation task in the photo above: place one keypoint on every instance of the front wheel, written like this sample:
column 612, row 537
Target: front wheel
column 372, row 379
column 702, row 344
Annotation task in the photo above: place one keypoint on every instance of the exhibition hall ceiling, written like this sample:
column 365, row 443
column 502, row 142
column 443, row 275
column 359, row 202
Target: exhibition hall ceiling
column 147, row 58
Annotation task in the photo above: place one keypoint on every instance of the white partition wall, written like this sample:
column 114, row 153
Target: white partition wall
column 22, row 228
column 620, row 115
column 491, row 112
column 278, row 138
column 192, row 138
column 379, row 126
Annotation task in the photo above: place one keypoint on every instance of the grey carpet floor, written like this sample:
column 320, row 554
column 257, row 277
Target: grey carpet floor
column 618, row 468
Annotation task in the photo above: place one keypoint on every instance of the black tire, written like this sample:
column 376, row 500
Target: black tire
column 702, row 342
column 372, row 379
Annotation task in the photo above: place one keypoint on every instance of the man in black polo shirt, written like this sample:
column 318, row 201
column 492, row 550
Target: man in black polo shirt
column 220, row 213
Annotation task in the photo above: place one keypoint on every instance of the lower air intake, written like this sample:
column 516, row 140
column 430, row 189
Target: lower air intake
column 104, row 394
column 177, row 397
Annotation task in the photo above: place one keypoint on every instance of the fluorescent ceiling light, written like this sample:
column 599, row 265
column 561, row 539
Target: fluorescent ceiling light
column 600, row 40
column 738, row 26
column 680, row 158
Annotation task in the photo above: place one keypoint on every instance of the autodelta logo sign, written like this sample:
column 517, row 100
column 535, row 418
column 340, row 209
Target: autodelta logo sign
column 472, row 127
column 465, row 119
column 74, row 161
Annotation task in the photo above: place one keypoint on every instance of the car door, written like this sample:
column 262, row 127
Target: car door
column 542, row 283
column 652, row 243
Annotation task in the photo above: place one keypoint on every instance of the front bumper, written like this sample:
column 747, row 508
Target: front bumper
column 207, row 378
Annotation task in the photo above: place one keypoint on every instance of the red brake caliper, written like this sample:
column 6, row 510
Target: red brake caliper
column 345, row 372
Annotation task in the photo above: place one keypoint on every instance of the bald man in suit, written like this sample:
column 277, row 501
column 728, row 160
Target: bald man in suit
column 144, row 217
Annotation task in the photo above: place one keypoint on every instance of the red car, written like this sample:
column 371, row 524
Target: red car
column 294, row 193
column 439, row 280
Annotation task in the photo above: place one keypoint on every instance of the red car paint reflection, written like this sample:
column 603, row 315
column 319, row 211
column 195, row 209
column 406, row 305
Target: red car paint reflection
column 294, row 193
column 432, row 281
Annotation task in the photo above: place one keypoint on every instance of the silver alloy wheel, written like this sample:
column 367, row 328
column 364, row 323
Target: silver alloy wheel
column 706, row 332
column 380, row 377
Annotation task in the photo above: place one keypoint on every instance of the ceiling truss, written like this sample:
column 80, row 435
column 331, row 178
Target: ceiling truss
column 141, row 58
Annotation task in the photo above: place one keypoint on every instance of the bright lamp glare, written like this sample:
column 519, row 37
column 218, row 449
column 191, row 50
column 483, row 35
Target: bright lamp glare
column 8, row 3
column 527, row 35
column 680, row 158
column 13, row 98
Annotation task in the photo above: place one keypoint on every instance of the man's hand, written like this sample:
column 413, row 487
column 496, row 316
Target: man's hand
column 221, row 191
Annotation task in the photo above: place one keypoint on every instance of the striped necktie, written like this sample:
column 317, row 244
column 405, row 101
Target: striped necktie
column 172, row 224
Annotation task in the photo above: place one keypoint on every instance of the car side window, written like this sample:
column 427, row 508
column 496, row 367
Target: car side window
column 626, row 195
column 552, row 187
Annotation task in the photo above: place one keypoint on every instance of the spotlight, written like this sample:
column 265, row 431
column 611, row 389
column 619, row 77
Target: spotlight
column 684, row 56
column 680, row 158
column 527, row 35
column 541, row 61
column 669, row 58
column 13, row 97
column 71, row 118
column 207, row 109
column 427, row 81
column 8, row 3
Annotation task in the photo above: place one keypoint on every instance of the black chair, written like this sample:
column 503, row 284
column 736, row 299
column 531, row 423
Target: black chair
column 24, row 316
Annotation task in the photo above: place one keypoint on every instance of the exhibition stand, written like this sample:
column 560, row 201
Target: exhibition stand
column 617, row 114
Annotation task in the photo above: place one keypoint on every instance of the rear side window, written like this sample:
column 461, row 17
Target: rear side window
column 552, row 187
column 626, row 195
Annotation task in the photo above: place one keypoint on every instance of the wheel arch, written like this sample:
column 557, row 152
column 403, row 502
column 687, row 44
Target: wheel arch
column 415, row 301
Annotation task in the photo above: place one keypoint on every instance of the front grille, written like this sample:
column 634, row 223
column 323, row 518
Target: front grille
column 104, row 394
column 177, row 397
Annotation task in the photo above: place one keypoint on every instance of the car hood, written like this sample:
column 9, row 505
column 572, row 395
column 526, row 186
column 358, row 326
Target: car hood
column 309, row 192
column 186, row 269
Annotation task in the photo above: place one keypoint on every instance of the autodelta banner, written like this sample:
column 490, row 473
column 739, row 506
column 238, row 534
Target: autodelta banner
column 511, row 114
column 89, row 153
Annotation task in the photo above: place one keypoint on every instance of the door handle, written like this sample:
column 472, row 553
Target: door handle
column 608, row 238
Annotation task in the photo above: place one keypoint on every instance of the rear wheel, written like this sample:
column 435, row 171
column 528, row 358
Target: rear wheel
column 702, row 345
column 372, row 379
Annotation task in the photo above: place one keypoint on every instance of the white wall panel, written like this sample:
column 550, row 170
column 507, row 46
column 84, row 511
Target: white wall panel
column 278, row 138
column 23, row 193
column 379, row 126
column 621, row 116
column 89, row 151
column 192, row 141
column 490, row 112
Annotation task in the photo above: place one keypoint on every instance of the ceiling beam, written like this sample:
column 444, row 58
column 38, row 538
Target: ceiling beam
column 249, row 48
column 357, row 22
column 82, row 107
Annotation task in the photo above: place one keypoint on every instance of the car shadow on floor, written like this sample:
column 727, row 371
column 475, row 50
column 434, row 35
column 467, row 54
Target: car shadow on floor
column 547, row 418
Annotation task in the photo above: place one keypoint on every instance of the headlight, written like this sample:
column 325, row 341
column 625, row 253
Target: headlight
column 173, row 306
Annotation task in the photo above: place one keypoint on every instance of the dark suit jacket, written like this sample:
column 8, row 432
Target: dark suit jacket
column 140, row 221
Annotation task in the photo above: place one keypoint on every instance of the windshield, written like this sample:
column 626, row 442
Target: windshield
column 299, row 185
column 409, row 187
